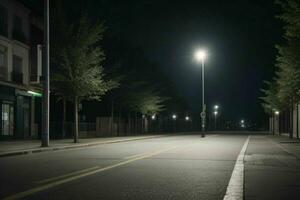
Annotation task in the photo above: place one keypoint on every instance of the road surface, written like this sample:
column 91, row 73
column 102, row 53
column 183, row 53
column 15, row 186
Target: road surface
column 219, row 166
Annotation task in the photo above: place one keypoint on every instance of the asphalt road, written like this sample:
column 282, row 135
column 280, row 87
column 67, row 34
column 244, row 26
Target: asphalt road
column 174, row 167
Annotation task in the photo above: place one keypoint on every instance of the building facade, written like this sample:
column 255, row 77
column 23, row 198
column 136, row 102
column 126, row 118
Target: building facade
column 20, row 69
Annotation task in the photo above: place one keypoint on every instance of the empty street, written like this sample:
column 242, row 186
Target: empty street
column 219, row 166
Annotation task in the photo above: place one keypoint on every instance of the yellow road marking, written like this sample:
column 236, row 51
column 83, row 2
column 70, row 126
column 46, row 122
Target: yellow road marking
column 66, row 175
column 72, row 178
column 136, row 155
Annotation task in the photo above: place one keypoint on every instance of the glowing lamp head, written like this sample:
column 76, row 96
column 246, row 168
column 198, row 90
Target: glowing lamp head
column 187, row 118
column 276, row 112
column 174, row 116
column 216, row 107
column 200, row 55
column 215, row 112
column 153, row 117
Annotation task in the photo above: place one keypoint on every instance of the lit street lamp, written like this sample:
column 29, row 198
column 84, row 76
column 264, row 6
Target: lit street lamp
column 216, row 107
column 200, row 56
column 215, row 114
column 242, row 123
column 174, row 116
column 187, row 118
column 153, row 117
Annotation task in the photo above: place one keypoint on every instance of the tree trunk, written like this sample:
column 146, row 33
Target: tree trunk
column 129, row 124
column 112, row 118
column 64, row 119
column 76, row 120
column 291, row 120
column 136, row 124
column 297, row 118
column 119, row 122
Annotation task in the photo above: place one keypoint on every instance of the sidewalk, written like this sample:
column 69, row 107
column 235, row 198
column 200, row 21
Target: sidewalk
column 272, row 168
column 12, row 148
column 291, row 146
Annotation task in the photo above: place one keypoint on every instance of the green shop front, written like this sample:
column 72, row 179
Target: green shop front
column 20, row 113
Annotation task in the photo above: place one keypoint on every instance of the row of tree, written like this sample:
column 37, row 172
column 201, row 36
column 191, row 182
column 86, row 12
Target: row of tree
column 283, row 91
column 77, row 60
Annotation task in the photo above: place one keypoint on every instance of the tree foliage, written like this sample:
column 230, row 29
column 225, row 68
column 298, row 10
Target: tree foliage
column 284, row 90
column 78, row 61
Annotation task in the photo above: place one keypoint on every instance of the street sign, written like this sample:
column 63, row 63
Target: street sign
column 203, row 115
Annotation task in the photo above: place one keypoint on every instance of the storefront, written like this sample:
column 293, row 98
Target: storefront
column 18, row 111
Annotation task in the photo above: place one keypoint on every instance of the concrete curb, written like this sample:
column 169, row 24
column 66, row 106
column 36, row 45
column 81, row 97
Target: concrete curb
column 46, row 149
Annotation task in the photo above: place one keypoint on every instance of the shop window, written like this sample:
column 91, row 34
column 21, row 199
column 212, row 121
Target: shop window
column 7, row 118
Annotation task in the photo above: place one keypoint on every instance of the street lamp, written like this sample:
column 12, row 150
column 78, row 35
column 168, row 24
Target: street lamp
column 242, row 123
column 276, row 112
column 187, row 118
column 216, row 107
column 174, row 116
column 200, row 56
column 153, row 117
column 46, row 83
column 215, row 114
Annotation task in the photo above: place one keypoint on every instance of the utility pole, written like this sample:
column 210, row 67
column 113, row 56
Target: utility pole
column 46, row 84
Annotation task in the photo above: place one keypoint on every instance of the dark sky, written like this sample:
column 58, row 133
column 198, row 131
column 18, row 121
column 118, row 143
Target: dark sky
column 239, row 36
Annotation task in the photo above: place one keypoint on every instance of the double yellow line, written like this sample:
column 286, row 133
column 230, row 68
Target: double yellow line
column 59, row 180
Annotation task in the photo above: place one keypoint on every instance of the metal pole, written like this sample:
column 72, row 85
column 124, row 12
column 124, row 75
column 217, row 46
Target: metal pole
column 215, row 122
column 203, row 103
column 45, row 133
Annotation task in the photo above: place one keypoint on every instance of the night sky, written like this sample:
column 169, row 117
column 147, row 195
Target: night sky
column 239, row 36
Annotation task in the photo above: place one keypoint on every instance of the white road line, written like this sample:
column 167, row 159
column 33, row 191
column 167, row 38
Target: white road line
column 72, row 178
column 235, row 188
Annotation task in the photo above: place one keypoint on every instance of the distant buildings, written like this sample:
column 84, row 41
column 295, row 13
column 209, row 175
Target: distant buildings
column 20, row 70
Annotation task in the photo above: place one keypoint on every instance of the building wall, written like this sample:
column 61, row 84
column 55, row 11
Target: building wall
column 19, row 46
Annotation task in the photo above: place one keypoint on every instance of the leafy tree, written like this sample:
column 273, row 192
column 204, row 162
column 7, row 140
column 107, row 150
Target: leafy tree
column 79, row 74
column 284, row 91
column 270, row 100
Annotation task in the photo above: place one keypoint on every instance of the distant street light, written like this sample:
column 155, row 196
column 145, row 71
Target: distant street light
column 276, row 112
column 216, row 107
column 153, row 117
column 200, row 56
column 215, row 114
column 243, row 123
column 174, row 116
column 187, row 118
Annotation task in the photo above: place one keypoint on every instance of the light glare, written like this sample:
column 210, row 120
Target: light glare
column 200, row 55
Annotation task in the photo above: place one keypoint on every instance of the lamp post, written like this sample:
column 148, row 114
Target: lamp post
column 46, row 84
column 200, row 56
column 174, row 117
column 216, row 108
column 215, row 114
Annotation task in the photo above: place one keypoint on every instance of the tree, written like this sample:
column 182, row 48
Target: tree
column 78, row 60
column 270, row 99
column 285, row 88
